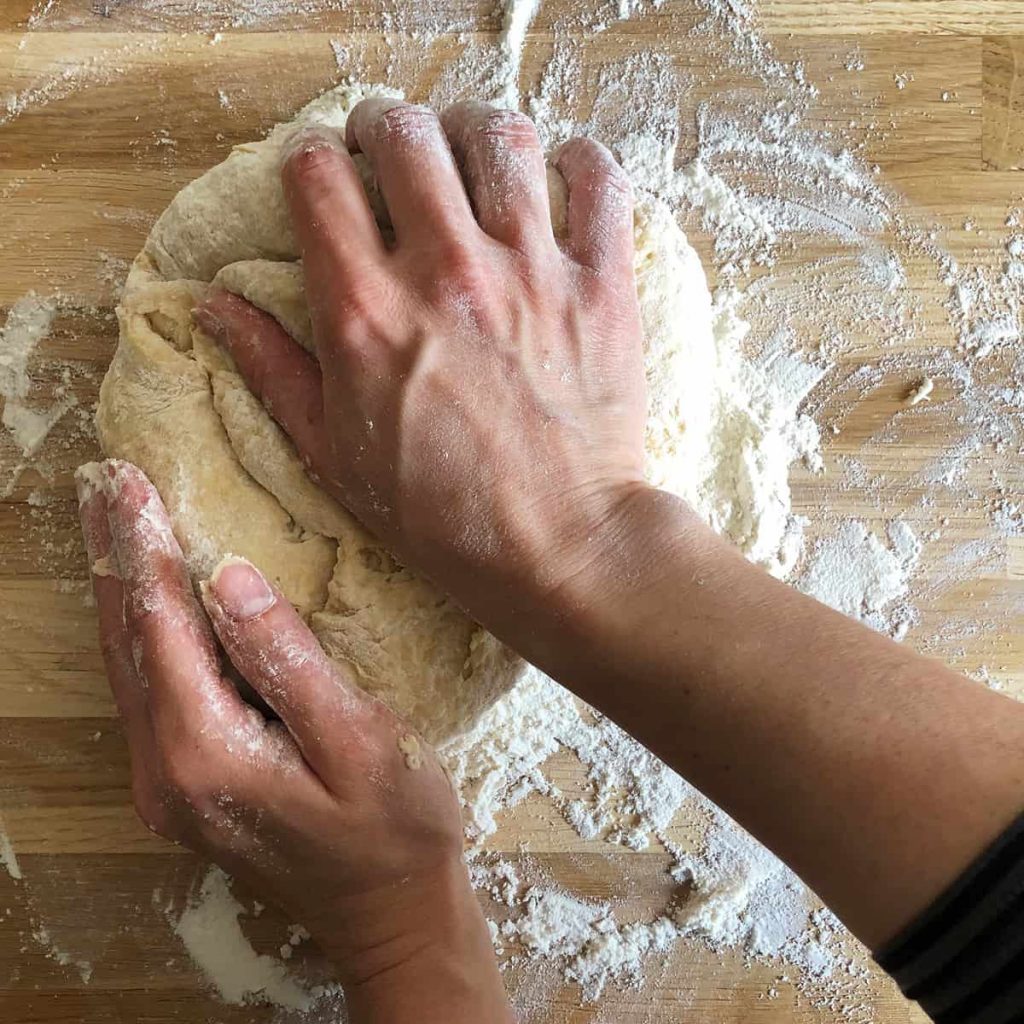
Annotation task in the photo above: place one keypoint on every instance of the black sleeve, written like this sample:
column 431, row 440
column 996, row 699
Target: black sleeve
column 963, row 958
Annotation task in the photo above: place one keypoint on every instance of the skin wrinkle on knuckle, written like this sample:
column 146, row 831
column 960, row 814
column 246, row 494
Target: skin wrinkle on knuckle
column 505, row 129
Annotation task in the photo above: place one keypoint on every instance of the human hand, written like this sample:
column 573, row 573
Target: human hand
column 338, row 812
column 478, row 398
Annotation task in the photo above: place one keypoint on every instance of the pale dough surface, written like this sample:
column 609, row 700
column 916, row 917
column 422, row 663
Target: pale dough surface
column 173, row 404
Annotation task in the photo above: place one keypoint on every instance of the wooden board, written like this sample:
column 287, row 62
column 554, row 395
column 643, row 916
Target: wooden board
column 118, row 108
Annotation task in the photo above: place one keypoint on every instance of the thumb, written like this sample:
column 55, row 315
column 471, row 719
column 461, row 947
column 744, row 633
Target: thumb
column 275, row 650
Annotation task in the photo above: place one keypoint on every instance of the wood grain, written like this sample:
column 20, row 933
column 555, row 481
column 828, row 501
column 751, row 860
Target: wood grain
column 910, row 17
column 1003, row 85
column 115, row 106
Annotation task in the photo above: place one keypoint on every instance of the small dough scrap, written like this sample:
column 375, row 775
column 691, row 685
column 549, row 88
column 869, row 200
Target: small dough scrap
column 410, row 747
column 921, row 392
column 105, row 567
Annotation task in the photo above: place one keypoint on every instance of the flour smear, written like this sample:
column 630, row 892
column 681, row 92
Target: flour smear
column 752, row 174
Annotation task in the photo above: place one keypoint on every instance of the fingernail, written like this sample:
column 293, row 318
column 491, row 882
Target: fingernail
column 239, row 589
column 306, row 138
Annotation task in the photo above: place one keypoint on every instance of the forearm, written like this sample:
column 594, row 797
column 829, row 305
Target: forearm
column 875, row 773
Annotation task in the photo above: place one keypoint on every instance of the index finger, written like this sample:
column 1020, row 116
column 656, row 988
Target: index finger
column 331, row 216
column 172, row 644
column 276, row 368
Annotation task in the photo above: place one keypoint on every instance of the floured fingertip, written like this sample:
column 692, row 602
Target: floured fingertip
column 306, row 139
column 115, row 473
column 88, row 481
column 239, row 589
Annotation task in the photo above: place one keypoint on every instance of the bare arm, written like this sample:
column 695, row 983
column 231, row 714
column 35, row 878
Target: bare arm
column 482, row 384
column 877, row 774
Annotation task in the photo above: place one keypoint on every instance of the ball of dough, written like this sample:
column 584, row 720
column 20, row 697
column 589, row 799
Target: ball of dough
column 173, row 404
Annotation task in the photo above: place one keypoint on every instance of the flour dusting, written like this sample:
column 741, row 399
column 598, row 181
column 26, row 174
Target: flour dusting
column 8, row 858
column 800, row 342
column 209, row 929
column 857, row 574
column 27, row 423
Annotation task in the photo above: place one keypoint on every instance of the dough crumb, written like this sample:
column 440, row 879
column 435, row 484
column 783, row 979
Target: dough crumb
column 409, row 745
column 921, row 392
column 105, row 567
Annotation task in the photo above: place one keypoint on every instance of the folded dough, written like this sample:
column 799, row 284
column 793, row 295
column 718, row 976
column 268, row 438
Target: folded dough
column 173, row 404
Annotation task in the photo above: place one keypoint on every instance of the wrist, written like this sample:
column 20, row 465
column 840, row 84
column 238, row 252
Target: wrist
column 419, row 952
column 619, row 547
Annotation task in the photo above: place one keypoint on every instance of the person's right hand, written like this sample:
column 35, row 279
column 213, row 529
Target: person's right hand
column 478, row 398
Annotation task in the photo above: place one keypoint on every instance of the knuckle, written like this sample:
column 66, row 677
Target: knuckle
column 361, row 302
column 461, row 265
column 365, row 309
column 605, row 291
column 405, row 123
column 151, row 810
column 509, row 128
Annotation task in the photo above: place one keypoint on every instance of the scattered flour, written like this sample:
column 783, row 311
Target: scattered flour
column 8, row 858
column 921, row 392
column 586, row 939
column 857, row 574
column 27, row 426
column 517, row 17
column 210, row 930
column 59, row 956
column 68, row 77
column 28, row 323
column 761, row 179
column 202, row 15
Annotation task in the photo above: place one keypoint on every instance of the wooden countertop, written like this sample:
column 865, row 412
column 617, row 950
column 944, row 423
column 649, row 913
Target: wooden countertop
column 108, row 119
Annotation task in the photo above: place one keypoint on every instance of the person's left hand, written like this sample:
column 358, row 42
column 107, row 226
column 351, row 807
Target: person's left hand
column 339, row 812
